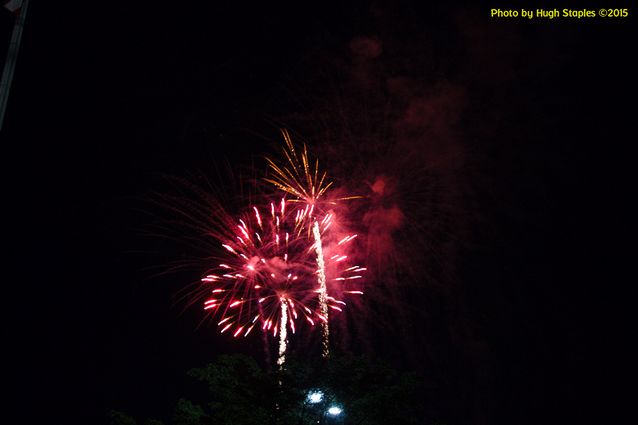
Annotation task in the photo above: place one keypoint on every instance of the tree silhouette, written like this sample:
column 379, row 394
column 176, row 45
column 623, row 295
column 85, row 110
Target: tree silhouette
column 240, row 392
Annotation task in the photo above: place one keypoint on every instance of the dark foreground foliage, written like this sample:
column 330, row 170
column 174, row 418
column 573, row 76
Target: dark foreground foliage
column 240, row 392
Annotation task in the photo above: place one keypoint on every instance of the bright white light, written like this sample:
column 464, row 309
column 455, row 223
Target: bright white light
column 315, row 397
column 334, row 411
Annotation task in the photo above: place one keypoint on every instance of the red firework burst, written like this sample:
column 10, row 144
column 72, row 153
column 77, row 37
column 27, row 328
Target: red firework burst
column 269, row 267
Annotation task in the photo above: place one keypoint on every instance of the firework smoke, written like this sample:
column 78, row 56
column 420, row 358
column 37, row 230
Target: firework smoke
column 386, row 120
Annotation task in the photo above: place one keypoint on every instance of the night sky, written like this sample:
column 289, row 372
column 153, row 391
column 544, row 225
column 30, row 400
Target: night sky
column 507, row 145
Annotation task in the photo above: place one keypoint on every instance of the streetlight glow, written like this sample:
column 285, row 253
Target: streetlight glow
column 315, row 397
column 334, row 411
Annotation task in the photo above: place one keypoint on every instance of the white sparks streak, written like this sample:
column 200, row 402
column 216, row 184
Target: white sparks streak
column 321, row 276
column 283, row 334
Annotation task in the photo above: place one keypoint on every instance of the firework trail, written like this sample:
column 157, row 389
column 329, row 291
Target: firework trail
column 323, row 289
column 299, row 178
column 283, row 334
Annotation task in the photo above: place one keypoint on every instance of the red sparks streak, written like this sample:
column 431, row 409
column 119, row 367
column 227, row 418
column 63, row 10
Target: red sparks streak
column 258, row 217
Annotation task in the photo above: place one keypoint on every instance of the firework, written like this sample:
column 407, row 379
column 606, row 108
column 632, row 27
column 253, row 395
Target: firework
column 267, row 278
column 297, row 177
column 301, row 178
column 266, row 267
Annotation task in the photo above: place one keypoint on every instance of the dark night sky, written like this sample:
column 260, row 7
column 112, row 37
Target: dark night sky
column 107, row 98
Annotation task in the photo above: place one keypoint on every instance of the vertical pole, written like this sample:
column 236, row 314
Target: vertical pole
column 12, row 57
